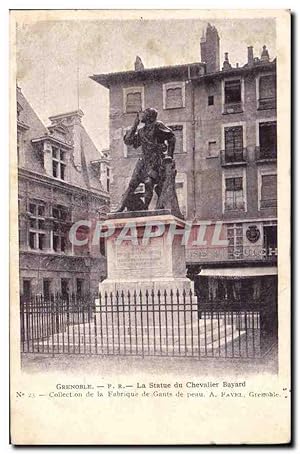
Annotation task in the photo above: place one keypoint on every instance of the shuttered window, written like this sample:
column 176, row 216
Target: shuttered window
column 268, row 139
column 178, row 131
column 134, row 102
column 268, row 191
column 174, row 98
column 267, row 87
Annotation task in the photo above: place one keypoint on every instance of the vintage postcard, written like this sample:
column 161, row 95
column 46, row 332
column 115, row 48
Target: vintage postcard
column 150, row 227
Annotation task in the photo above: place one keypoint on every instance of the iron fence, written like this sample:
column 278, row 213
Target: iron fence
column 150, row 323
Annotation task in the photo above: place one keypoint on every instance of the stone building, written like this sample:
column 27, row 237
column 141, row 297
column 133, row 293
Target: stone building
column 224, row 120
column 61, row 177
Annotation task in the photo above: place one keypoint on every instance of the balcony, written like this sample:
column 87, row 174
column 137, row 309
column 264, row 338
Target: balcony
column 233, row 157
column 233, row 107
column 263, row 154
column 267, row 103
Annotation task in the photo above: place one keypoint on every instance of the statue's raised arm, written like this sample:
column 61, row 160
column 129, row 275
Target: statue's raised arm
column 157, row 142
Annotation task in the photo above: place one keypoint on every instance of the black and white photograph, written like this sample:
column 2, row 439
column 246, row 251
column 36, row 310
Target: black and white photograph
column 149, row 173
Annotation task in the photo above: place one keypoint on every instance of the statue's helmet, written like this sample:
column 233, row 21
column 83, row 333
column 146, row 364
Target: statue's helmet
column 150, row 114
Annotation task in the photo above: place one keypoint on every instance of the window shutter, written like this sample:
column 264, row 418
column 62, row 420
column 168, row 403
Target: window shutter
column 268, row 136
column 269, row 187
column 134, row 102
column 267, row 87
column 174, row 98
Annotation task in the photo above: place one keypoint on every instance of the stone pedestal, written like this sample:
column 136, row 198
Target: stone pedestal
column 140, row 263
column 147, row 303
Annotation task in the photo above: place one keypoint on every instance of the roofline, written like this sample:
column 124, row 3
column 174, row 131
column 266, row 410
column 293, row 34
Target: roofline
column 108, row 78
column 241, row 69
column 46, row 179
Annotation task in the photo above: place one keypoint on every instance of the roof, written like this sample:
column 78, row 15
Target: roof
column 155, row 73
column 235, row 71
column 187, row 71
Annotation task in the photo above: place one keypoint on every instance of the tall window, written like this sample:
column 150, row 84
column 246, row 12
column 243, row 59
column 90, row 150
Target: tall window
column 268, row 140
column 65, row 287
column 27, row 288
column 235, row 241
column 270, row 239
column 58, row 163
column 178, row 131
column 233, row 143
column 79, row 287
column 102, row 245
column 234, row 197
column 267, row 92
column 46, row 289
column 37, row 229
column 268, row 191
column 233, row 91
column 232, row 96
column 60, row 215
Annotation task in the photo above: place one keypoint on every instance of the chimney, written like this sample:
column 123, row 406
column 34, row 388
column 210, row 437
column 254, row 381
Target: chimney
column 210, row 49
column 250, row 55
column 226, row 64
column 138, row 64
column 265, row 54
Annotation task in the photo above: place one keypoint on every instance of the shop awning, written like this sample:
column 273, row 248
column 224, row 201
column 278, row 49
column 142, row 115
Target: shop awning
column 239, row 272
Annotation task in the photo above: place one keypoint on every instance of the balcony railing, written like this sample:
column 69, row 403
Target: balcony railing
column 266, row 103
column 233, row 107
column 233, row 156
column 265, row 154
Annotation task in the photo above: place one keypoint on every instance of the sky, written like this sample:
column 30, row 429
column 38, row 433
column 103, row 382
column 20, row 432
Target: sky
column 55, row 58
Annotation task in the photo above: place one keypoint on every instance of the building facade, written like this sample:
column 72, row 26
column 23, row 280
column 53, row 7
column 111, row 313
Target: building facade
column 224, row 120
column 61, row 179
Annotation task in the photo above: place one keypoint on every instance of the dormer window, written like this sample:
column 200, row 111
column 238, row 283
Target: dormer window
column 58, row 163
